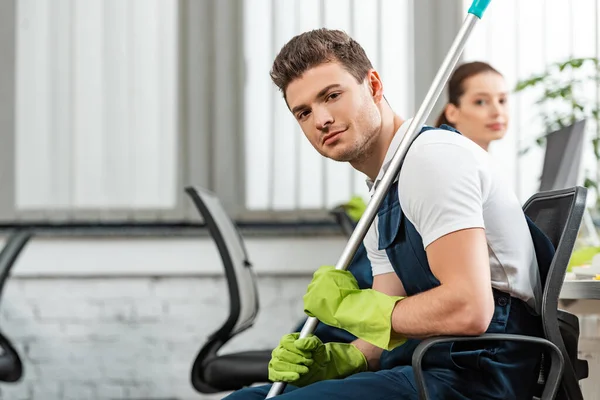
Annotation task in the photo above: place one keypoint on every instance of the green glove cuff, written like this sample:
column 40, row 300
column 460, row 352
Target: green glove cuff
column 367, row 314
column 346, row 359
column 333, row 296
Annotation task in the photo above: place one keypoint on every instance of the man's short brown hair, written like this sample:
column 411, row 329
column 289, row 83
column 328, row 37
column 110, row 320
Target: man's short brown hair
column 317, row 47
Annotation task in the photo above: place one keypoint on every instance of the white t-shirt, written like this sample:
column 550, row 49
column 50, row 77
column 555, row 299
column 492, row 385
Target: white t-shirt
column 448, row 183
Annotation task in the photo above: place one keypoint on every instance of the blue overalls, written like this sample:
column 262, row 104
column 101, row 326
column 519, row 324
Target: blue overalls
column 454, row 371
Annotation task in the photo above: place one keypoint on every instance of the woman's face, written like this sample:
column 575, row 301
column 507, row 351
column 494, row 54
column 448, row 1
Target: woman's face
column 482, row 112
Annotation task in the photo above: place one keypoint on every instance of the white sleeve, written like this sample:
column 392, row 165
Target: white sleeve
column 443, row 187
column 380, row 263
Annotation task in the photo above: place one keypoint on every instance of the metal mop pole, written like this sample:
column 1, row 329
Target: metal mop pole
column 475, row 13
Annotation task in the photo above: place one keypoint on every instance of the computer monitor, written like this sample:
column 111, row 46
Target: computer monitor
column 562, row 161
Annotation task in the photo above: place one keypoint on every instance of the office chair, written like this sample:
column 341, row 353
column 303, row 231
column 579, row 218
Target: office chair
column 558, row 214
column 213, row 372
column 11, row 367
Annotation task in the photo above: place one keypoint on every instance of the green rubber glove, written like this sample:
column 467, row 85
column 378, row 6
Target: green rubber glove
column 334, row 298
column 305, row 361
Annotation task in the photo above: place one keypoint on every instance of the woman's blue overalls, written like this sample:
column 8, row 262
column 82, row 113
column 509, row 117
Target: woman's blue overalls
column 464, row 370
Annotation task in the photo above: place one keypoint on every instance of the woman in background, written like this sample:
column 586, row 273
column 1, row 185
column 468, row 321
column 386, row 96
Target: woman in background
column 477, row 103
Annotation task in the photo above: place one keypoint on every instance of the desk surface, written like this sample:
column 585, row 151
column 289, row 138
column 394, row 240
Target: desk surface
column 580, row 289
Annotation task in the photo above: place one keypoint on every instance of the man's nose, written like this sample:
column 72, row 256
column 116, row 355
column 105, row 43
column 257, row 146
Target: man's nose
column 323, row 118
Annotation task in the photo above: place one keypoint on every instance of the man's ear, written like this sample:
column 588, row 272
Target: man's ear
column 376, row 85
column 452, row 112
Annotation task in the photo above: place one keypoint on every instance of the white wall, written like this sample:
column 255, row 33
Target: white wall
column 170, row 256
column 123, row 318
column 136, row 338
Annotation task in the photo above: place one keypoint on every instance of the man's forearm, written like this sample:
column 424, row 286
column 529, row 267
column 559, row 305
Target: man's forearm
column 371, row 353
column 441, row 311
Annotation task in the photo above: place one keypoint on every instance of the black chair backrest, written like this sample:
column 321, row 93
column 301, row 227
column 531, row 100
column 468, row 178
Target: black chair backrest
column 241, row 281
column 558, row 213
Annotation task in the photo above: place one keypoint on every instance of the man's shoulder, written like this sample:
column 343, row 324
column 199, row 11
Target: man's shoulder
column 444, row 138
column 440, row 146
column 442, row 163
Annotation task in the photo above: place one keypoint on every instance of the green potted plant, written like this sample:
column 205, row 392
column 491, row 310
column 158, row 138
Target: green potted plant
column 568, row 94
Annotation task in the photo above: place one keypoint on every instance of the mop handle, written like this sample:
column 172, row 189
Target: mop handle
column 474, row 15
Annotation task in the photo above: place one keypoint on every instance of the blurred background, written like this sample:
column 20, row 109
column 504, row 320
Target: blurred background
column 110, row 108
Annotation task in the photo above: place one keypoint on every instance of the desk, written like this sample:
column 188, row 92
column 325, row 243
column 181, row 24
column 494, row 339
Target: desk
column 580, row 290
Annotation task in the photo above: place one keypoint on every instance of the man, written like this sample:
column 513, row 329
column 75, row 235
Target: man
column 450, row 249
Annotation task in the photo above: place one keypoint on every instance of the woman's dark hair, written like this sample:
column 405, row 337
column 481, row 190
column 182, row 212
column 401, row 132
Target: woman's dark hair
column 456, row 84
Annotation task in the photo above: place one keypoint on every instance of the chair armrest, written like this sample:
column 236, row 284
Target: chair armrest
column 556, row 357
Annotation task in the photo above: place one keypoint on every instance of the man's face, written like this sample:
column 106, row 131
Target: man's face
column 338, row 115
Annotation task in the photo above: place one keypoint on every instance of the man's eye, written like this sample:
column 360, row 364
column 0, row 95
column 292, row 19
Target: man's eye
column 333, row 96
column 303, row 114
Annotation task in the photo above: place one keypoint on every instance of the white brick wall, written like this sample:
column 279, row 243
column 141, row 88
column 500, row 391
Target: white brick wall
column 128, row 338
